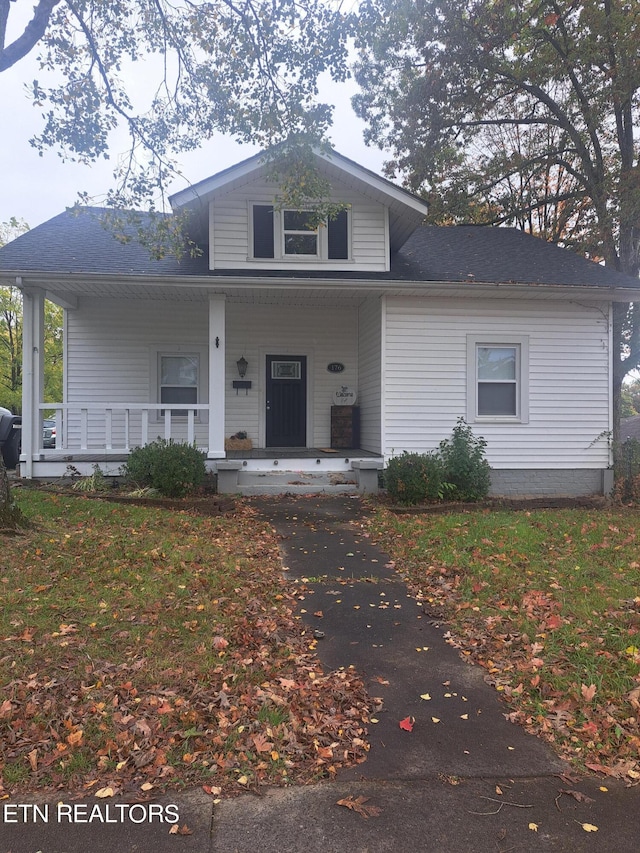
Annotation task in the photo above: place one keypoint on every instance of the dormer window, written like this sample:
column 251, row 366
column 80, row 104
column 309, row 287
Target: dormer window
column 299, row 236
column 291, row 234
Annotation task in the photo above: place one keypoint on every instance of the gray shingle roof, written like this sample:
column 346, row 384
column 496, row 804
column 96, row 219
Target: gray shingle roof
column 76, row 242
column 477, row 253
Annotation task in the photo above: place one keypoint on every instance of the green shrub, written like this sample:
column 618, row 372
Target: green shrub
column 173, row 468
column 415, row 477
column 464, row 464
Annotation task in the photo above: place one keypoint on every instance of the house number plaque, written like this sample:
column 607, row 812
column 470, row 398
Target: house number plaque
column 335, row 367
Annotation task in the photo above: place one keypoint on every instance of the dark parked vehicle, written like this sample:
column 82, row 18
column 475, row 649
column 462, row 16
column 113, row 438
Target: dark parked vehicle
column 10, row 434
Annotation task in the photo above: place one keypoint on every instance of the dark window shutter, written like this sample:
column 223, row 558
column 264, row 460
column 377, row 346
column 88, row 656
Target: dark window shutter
column 338, row 237
column 263, row 231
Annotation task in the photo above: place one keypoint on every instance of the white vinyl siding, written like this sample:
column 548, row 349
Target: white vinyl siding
column 231, row 232
column 426, row 388
column 112, row 357
column 370, row 371
column 322, row 334
column 114, row 344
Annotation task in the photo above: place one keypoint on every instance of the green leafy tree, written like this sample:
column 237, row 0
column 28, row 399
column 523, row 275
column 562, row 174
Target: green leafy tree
column 10, row 343
column 10, row 348
column 631, row 398
column 11, row 330
column 248, row 68
column 518, row 113
column 11, row 338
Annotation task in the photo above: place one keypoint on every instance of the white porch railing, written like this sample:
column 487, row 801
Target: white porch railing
column 119, row 427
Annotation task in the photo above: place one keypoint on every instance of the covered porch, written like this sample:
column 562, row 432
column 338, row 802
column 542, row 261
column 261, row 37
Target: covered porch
column 120, row 338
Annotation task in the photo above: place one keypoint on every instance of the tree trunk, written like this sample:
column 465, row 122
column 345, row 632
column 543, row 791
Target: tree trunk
column 11, row 517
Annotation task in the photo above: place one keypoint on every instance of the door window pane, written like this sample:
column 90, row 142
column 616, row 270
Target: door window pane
column 285, row 370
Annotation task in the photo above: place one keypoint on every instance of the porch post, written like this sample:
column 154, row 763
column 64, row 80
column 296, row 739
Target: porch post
column 217, row 350
column 32, row 373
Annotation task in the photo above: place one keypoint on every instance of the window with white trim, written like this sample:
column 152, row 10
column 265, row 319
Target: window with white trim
column 291, row 234
column 179, row 380
column 497, row 378
column 299, row 235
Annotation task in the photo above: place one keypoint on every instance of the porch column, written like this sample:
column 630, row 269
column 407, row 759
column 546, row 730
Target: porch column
column 217, row 350
column 32, row 373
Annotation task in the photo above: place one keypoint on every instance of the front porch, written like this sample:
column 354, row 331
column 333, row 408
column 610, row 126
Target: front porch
column 81, row 436
column 139, row 369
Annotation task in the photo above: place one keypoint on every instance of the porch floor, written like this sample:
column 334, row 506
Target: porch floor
column 302, row 453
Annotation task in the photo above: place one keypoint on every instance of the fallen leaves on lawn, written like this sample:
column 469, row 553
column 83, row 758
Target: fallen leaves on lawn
column 359, row 806
column 244, row 699
column 541, row 601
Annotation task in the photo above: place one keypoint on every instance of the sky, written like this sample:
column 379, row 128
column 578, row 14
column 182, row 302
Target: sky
column 35, row 188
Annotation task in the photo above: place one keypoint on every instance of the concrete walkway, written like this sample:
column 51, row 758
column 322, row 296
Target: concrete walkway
column 464, row 779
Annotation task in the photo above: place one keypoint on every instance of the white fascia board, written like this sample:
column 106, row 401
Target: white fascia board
column 31, row 280
column 378, row 183
column 216, row 182
column 443, row 288
column 253, row 164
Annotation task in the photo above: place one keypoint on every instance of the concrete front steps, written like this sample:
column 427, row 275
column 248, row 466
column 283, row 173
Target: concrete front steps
column 235, row 478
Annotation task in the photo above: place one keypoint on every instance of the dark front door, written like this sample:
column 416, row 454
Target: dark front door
column 286, row 401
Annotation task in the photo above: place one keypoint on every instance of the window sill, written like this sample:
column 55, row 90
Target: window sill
column 299, row 259
column 497, row 419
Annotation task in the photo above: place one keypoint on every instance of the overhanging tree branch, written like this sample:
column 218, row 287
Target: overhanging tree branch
column 33, row 32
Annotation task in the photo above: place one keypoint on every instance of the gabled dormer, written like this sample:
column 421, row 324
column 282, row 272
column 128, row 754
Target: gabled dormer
column 237, row 213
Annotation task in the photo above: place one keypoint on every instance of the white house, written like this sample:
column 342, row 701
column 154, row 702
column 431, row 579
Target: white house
column 332, row 348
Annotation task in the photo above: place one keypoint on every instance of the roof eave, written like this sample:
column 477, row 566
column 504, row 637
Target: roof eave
column 50, row 281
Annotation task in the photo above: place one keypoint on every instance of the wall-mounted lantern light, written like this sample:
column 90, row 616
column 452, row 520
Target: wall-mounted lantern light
column 242, row 366
column 242, row 383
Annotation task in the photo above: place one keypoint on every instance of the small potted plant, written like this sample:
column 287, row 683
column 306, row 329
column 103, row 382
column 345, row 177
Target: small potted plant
column 239, row 441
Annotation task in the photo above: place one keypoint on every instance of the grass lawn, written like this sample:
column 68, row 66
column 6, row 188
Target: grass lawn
column 142, row 648
column 548, row 602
